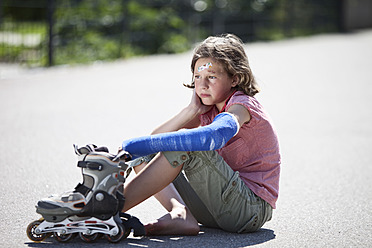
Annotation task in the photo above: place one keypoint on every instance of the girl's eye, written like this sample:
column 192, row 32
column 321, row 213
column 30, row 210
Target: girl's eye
column 196, row 76
column 212, row 77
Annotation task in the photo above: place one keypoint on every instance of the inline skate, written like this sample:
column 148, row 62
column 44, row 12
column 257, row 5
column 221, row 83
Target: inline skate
column 93, row 208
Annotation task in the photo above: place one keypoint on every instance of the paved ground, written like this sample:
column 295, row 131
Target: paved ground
column 318, row 91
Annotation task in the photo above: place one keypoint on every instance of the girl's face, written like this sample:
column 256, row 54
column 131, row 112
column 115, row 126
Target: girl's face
column 212, row 83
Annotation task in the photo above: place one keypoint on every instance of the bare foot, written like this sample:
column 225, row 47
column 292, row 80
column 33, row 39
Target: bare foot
column 177, row 222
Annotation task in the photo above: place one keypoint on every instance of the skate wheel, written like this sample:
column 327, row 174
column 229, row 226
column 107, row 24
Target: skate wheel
column 89, row 238
column 123, row 234
column 63, row 238
column 126, row 233
column 31, row 232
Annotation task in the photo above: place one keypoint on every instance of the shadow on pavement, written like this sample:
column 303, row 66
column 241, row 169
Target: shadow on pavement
column 207, row 238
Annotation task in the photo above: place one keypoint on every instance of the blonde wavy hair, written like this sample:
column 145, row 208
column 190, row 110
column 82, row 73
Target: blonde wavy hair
column 228, row 50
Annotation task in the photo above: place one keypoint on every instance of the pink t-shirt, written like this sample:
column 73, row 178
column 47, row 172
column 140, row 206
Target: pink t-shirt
column 254, row 151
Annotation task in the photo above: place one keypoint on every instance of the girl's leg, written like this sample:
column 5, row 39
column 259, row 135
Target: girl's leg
column 155, row 179
column 193, row 202
column 234, row 207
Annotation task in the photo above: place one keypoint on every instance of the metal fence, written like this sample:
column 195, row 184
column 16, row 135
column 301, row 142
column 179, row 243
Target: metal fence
column 49, row 32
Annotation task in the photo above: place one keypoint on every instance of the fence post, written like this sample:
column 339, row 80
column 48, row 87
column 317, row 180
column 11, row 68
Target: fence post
column 50, row 33
column 1, row 11
column 125, row 28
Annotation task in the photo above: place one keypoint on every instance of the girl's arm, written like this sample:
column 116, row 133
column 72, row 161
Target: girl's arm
column 210, row 137
column 187, row 118
column 241, row 113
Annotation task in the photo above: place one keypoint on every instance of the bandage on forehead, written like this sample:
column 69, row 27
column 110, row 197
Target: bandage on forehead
column 211, row 137
column 205, row 66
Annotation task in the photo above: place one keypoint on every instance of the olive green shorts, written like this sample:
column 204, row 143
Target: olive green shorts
column 215, row 194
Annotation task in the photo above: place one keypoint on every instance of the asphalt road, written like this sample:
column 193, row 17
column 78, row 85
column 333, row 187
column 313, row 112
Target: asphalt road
column 317, row 89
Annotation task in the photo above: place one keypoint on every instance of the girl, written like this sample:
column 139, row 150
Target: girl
column 227, row 149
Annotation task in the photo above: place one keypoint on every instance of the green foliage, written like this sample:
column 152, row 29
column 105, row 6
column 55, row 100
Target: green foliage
column 90, row 30
column 22, row 42
column 94, row 30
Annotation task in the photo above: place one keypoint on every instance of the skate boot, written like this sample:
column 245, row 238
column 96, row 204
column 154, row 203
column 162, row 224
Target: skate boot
column 93, row 208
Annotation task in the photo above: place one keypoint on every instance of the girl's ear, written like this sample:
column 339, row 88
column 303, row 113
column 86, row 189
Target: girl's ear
column 235, row 81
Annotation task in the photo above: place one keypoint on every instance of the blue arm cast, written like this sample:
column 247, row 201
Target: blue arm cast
column 211, row 137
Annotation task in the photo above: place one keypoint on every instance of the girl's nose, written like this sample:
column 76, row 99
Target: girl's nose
column 204, row 83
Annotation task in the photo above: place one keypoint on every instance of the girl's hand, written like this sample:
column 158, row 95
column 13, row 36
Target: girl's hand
column 187, row 118
column 197, row 105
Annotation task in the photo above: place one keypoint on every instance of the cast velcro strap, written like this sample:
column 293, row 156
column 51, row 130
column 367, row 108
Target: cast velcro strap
column 211, row 137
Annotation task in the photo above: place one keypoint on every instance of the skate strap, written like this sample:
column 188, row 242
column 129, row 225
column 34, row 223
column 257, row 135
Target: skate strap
column 89, row 148
column 90, row 165
column 84, row 150
column 131, row 222
column 122, row 155
column 81, row 188
column 128, row 171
